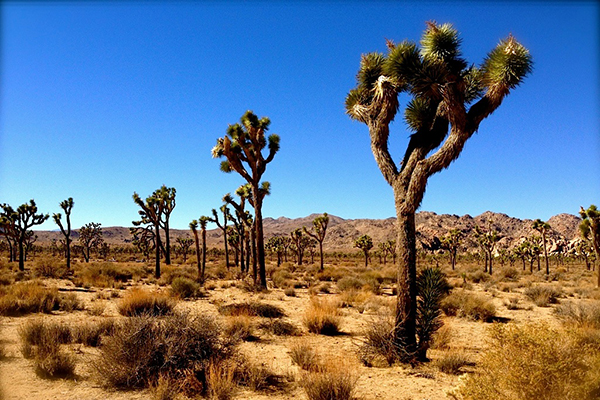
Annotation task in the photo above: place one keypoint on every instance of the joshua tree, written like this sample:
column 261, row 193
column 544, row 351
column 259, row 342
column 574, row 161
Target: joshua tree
column 243, row 145
column 275, row 245
column 449, row 101
column 90, row 237
column 543, row 228
column 223, row 227
column 184, row 246
column 194, row 228
column 451, row 242
column 203, row 220
column 590, row 229
column 320, row 226
column 364, row 243
column 7, row 228
column 151, row 213
column 487, row 239
column 521, row 252
column 143, row 239
column 166, row 197
column 67, row 206
column 241, row 222
column 299, row 244
column 18, row 223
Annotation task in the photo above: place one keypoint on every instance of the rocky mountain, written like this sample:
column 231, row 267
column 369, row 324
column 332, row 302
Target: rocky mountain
column 341, row 233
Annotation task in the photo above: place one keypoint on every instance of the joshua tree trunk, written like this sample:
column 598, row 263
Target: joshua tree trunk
column 260, row 241
column 158, row 245
column 203, row 254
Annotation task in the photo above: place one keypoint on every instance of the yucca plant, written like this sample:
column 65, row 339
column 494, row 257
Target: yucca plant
column 432, row 287
column 449, row 100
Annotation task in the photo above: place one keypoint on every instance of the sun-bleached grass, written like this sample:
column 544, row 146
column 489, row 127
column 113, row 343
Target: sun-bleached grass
column 32, row 297
column 469, row 305
column 138, row 301
column 334, row 380
column 535, row 361
column 323, row 317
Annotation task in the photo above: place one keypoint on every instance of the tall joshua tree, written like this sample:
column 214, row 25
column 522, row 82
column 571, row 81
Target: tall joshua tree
column 67, row 206
column 451, row 242
column 590, row 229
column 543, row 228
column 223, row 227
column 90, row 237
column 7, row 228
column 21, row 219
column 151, row 213
column 242, row 147
column 365, row 244
column 166, row 196
column 194, row 229
column 449, row 101
column 320, row 227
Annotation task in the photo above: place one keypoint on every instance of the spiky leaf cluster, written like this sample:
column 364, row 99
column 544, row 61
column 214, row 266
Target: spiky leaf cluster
column 432, row 286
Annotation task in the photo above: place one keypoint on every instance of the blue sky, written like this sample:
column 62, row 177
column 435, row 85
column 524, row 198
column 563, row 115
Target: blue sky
column 101, row 99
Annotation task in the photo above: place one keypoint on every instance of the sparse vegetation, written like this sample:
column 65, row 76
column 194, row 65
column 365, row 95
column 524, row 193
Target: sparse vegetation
column 322, row 317
column 465, row 304
column 138, row 302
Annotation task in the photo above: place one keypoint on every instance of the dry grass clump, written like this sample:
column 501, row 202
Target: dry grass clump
column 48, row 267
column 543, row 296
column 90, row 333
column 335, row 380
column 252, row 309
column 509, row 274
column 165, row 388
column 350, row 283
column 304, row 355
column 185, row 288
column 451, row 362
column 479, row 276
column 586, row 315
column 101, row 274
column 323, row 317
column 31, row 297
column 220, row 378
column 41, row 341
column 290, row 292
column 255, row 376
column 239, row 327
column 378, row 347
column 468, row 305
column 279, row 327
column 533, row 362
column 141, row 349
column 137, row 302
column 442, row 338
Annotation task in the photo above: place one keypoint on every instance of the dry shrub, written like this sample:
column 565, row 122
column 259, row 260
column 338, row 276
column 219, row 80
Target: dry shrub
column 252, row 309
column 141, row 349
column 290, row 292
column 171, row 272
column 542, row 296
column 49, row 267
column 70, row 302
column 442, row 338
column 28, row 297
column 279, row 327
column 185, row 288
column 335, row 380
column 509, row 274
column 533, row 362
column 451, row 362
column 41, row 341
column 90, row 333
column 240, row 328
column 304, row 355
column 468, row 305
column 350, row 283
column 137, row 302
column 586, row 315
column 479, row 276
column 332, row 274
column 257, row 377
column 378, row 347
column 220, row 380
column 323, row 317
column 165, row 388
column 282, row 278
column 103, row 274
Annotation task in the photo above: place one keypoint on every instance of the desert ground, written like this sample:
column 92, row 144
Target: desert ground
column 356, row 298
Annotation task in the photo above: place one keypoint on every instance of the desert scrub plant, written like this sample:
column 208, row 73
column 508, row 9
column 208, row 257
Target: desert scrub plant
column 534, row 361
column 451, row 361
column 48, row 267
column 335, row 380
column 252, row 309
column 323, row 317
column 585, row 315
column 139, row 301
column 41, row 341
column 141, row 349
column 28, row 297
column 543, row 296
column 239, row 328
column 90, row 333
column 350, row 283
column 378, row 347
column 220, row 378
column 279, row 327
column 185, row 288
column 304, row 355
column 468, row 305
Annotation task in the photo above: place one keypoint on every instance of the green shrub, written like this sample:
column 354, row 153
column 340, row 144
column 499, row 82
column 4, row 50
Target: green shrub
column 350, row 283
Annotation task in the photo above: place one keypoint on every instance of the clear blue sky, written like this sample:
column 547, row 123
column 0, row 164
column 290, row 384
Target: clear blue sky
column 101, row 99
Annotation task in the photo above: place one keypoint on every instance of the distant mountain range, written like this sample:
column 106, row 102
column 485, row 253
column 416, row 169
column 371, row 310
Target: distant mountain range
column 341, row 233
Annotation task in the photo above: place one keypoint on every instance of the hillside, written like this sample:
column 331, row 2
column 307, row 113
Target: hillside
column 342, row 232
